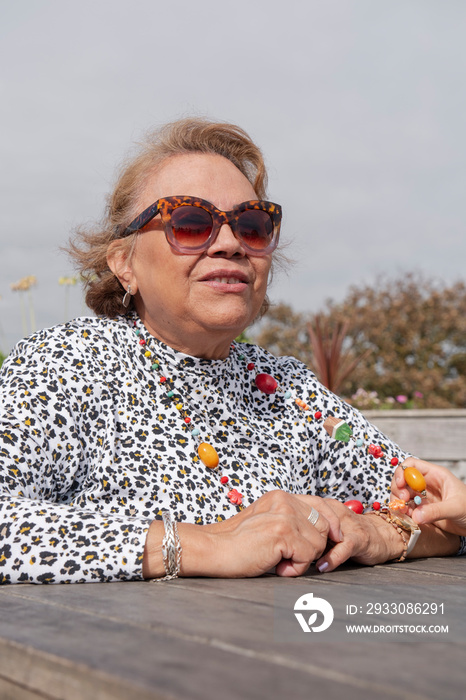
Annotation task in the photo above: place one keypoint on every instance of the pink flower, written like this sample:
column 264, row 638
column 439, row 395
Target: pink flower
column 402, row 398
column 418, row 394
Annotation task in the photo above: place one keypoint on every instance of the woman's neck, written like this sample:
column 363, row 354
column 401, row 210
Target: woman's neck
column 203, row 344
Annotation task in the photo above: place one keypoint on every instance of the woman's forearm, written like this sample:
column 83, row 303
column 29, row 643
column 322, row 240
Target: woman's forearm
column 44, row 542
column 435, row 542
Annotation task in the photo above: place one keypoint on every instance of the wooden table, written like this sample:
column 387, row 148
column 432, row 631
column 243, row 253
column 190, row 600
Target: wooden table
column 210, row 638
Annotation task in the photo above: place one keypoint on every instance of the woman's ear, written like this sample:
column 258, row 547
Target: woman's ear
column 120, row 264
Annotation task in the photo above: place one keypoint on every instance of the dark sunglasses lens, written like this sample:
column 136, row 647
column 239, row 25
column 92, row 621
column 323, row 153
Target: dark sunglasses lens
column 255, row 227
column 191, row 226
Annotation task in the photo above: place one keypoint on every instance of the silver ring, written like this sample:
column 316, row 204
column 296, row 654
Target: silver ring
column 313, row 516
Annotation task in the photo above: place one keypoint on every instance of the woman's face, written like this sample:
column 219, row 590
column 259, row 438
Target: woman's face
column 197, row 303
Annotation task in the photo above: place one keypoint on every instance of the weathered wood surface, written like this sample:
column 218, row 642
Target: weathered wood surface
column 209, row 638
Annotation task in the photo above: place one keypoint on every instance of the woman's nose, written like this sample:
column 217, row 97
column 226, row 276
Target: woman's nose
column 226, row 244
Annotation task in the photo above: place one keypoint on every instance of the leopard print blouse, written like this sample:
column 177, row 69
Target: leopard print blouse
column 93, row 447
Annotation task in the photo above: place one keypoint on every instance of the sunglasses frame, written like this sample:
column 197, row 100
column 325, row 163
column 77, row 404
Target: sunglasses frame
column 166, row 205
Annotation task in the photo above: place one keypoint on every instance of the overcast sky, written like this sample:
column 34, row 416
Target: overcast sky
column 358, row 105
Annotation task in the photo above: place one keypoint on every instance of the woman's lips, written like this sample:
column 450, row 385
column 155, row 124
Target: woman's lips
column 226, row 282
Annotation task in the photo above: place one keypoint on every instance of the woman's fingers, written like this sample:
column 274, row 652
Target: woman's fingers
column 399, row 488
column 398, row 478
column 336, row 556
column 441, row 510
column 305, row 548
column 327, row 515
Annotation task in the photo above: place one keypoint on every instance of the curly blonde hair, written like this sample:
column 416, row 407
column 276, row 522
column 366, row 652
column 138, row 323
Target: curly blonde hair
column 89, row 246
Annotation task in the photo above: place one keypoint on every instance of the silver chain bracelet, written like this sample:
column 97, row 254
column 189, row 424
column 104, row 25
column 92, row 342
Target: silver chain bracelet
column 171, row 548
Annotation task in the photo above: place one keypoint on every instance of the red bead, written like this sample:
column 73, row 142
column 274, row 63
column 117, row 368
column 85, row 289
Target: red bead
column 142, row 341
column 224, row 480
column 375, row 451
column 318, row 414
column 162, row 380
column 235, row 497
column 251, row 366
column 394, row 461
column 376, row 505
column 355, row 506
column 266, row 383
column 187, row 419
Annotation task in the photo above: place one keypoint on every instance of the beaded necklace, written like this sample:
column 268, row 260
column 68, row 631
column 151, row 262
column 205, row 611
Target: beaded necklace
column 337, row 428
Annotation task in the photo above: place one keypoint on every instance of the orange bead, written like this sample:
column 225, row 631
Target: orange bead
column 397, row 504
column 208, row 455
column 415, row 479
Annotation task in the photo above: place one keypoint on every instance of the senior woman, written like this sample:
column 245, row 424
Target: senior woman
column 145, row 442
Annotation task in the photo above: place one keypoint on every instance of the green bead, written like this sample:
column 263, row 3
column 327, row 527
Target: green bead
column 343, row 433
column 155, row 365
column 170, row 393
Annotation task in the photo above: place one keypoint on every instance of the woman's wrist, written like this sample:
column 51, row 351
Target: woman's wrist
column 433, row 542
column 152, row 563
column 393, row 541
column 196, row 542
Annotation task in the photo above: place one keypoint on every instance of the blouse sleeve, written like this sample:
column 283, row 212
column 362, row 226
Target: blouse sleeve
column 361, row 468
column 44, row 536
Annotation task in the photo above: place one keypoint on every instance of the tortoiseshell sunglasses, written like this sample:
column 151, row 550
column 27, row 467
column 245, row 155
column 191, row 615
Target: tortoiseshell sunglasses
column 192, row 224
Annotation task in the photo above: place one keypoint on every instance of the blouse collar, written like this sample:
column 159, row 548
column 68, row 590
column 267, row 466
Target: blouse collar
column 173, row 359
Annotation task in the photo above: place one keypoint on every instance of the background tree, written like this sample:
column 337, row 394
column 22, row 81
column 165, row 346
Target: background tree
column 410, row 331
column 332, row 358
column 284, row 332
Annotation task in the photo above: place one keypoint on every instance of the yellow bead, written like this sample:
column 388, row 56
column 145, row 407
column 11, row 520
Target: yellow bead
column 179, row 406
column 147, row 353
column 415, row 479
column 208, row 455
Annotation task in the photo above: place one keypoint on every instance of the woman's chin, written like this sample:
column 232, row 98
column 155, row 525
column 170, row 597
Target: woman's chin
column 235, row 317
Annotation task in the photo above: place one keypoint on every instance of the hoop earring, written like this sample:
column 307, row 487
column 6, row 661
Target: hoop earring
column 126, row 301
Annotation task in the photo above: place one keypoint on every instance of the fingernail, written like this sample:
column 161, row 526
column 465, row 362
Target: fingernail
column 323, row 567
column 341, row 536
column 419, row 515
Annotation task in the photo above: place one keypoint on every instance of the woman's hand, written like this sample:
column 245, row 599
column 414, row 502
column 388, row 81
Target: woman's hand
column 446, row 505
column 367, row 539
column 274, row 531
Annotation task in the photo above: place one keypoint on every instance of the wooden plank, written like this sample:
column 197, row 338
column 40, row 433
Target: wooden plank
column 12, row 691
column 444, row 566
column 183, row 622
column 155, row 668
column 451, row 570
